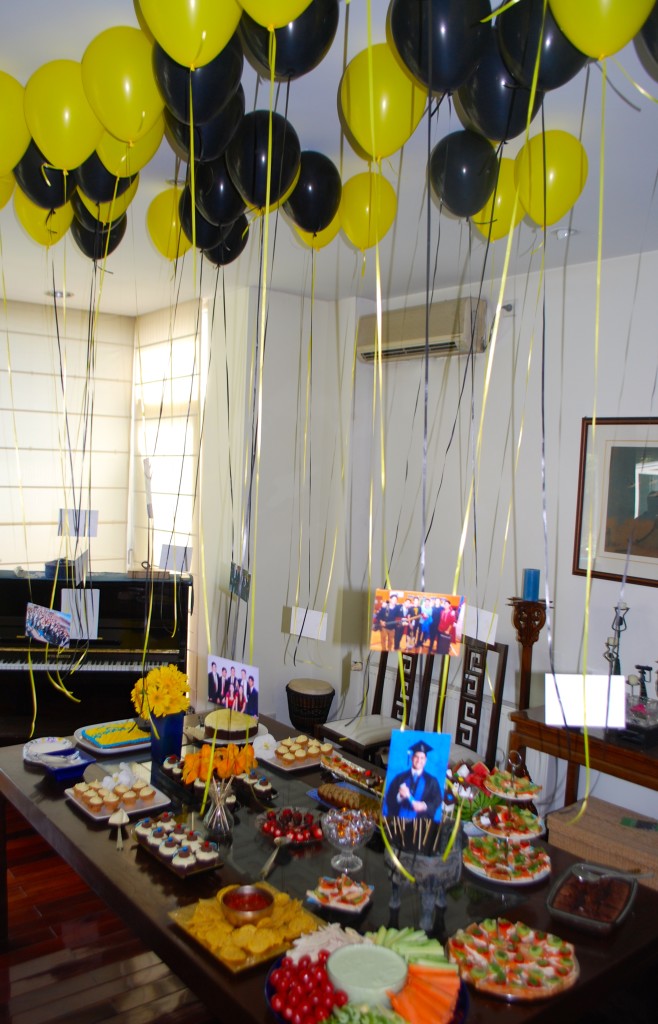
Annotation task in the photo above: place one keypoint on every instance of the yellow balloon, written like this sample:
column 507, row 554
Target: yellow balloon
column 59, row 116
column 397, row 102
column 119, row 83
column 45, row 226
column 164, row 226
column 7, row 182
column 600, row 27
column 498, row 217
column 14, row 132
column 321, row 238
column 107, row 212
column 368, row 206
column 550, row 172
column 192, row 32
column 274, row 13
column 123, row 159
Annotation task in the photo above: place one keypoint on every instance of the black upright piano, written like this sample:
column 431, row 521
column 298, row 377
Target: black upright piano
column 99, row 672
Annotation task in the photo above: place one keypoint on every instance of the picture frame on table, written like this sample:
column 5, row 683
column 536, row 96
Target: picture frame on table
column 617, row 501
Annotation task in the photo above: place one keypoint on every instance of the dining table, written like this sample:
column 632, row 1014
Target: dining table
column 146, row 893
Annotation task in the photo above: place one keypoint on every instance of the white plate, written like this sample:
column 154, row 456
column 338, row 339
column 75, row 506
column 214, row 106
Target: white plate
column 33, row 749
column 479, row 872
column 142, row 807
column 108, row 751
column 269, row 757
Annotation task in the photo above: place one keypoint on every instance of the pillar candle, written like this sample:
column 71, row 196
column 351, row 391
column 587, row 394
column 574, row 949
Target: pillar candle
column 531, row 584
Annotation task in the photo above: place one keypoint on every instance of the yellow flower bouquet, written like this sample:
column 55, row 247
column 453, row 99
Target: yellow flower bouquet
column 164, row 691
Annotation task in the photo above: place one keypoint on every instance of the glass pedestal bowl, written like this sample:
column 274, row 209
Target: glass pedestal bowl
column 347, row 830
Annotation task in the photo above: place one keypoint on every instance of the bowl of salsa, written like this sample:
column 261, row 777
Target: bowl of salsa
column 245, row 904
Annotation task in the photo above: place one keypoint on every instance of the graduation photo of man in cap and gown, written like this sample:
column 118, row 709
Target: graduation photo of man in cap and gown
column 416, row 774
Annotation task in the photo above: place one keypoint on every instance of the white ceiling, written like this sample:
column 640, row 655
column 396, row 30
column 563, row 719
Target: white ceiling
column 138, row 280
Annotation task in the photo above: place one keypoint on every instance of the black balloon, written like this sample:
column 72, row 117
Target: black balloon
column 519, row 35
column 211, row 138
column 206, row 234
column 94, row 179
column 231, row 245
column 213, row 84
column 300, row 45
column 247, row 157
column 462, row 170
column 440, row 41
column 44, row 185
column 649, row 33
column 99, row 242
column 491, row 101
column 87, row 218
column 216, row 196
column 314, row 201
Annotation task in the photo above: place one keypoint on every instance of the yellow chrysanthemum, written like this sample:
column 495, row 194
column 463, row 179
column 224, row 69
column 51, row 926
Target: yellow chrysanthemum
column 164, row 691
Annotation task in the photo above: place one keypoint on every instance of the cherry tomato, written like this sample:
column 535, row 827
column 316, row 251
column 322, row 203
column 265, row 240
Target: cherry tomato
column 277, row 1002
column 340, row 998
column 304, row 961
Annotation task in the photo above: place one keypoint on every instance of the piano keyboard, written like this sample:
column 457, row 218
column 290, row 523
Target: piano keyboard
column 88, row 665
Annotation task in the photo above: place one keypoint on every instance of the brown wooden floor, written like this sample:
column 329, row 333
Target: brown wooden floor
column 70, row 959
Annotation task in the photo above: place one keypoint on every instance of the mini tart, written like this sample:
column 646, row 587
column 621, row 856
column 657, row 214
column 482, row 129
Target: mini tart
column 129, row 798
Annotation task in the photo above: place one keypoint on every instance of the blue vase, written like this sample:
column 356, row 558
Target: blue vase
column 166, row 737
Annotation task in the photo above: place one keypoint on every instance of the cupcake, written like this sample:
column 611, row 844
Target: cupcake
column 263, row 789
column 193, row 839
column 326, row 748
column 301, row 740
column 157, row 837
column 111, row 801
column 170, row 763
column 95, row 804
column 168, row 849
column 313, row 750
column 178, row 834
column 300, row 754
column 121, row 790
column 129, row 798
column 167, row 821
column 144, row 827
column 289, row 760
column 146, row 793
column 207, row 854
column 138, row 785
column 281, row 750
column 184, row 860
column 80, row 789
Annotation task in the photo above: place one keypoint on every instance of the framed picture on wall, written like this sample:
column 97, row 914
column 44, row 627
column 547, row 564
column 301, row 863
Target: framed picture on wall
column 617, row 504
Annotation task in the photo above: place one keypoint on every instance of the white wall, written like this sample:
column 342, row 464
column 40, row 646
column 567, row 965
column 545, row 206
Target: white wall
column 491, row 571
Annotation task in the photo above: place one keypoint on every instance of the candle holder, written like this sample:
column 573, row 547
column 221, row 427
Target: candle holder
column 528, row 618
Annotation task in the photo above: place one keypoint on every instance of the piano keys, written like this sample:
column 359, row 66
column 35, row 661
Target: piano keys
column 100, row 672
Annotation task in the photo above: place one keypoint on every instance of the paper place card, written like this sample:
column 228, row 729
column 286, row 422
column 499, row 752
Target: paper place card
column 77, row 522
column 306, row 622
column 175, row 558
column 82, row 607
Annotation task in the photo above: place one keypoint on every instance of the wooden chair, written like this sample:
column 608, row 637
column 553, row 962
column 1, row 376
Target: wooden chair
column 366, row 735
column 475, row 695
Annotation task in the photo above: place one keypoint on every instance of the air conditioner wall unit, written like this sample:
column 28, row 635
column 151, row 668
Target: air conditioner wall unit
column 452, row 325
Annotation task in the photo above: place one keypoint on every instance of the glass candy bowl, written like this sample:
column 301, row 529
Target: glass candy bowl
column 347, row 830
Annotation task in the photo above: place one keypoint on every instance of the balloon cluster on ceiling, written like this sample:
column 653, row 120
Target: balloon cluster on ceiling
column 77, row 135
